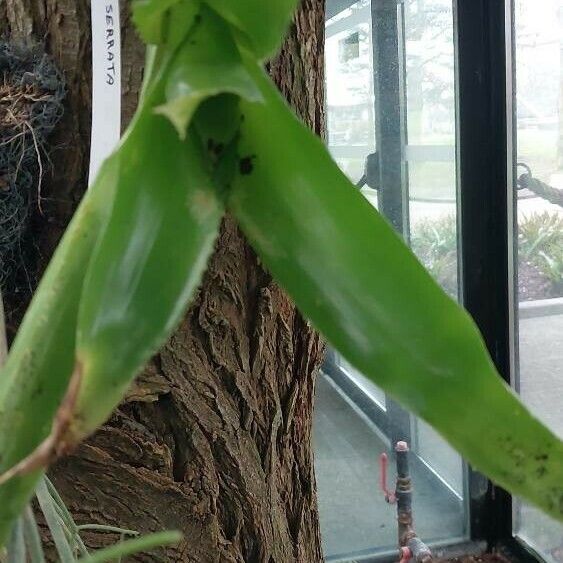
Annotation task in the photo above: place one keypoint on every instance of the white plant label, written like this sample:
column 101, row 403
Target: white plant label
column 106, row 82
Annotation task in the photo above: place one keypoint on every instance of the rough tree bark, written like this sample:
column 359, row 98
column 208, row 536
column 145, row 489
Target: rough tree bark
column 215, row 437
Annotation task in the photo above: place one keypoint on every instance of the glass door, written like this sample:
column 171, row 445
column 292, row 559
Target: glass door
column 538, row 49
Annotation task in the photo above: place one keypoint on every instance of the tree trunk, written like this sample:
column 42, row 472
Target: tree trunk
column 214, row 438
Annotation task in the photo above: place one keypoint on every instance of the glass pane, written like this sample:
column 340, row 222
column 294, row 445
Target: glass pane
column 432, row 183
column 390, row 94
column 431, row 138
column 539, row 124
column 349, row 92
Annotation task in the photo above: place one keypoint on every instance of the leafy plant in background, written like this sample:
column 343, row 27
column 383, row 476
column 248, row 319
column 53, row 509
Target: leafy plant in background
column 540, row 241
column 434, row 241
column 25, row 540
column 211, row 135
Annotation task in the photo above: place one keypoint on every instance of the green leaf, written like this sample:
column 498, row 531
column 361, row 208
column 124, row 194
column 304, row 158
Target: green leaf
column 131, row 547
column 263, row 22
column 152, row 17
column 43, row 356
column 181, row 21
column 365, row 291
column 148, row 262
column 32, row 537
column 66, row 518
column 47, row 505
column 16, row 545
column 41, row 359
column 207, row 65
column 106, row 528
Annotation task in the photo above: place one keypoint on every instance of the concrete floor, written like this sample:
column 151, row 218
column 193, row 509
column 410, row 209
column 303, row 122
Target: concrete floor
column 541, row 387
column 354, row 516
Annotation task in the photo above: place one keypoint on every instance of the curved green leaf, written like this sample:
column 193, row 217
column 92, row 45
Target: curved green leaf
column 208, row 64
column 362, row 287
column 146, row 266
column 40, row 362
column 263, row 22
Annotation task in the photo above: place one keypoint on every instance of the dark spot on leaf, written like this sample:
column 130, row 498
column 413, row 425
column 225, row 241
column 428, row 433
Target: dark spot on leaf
column 197, row 18
column 218, row 148
column 246, row 166
column 38, row 391
column 541, row 471
column 542, row 457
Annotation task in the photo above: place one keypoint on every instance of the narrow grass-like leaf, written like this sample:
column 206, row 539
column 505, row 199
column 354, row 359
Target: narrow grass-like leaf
column 106, row 528
column 32, row 537
column 58, row 534
column 66, row 517
column 130, row 547
column 16, row 545
column 363, row 288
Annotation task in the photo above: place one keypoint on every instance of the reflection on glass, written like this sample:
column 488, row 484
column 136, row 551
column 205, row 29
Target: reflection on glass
column 539, row 95
column 354, row 420
column 430, row 80
column 430, row 154
column 349, row 92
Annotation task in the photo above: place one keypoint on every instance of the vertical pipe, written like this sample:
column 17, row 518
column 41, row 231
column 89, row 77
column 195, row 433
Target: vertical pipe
column 403, row 493
column 416, row 548
column 389, row 105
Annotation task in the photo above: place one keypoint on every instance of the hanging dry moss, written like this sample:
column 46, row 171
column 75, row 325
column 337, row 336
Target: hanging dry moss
column 31, row 104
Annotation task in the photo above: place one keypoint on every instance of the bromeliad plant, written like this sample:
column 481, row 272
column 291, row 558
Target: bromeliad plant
column 211, row 135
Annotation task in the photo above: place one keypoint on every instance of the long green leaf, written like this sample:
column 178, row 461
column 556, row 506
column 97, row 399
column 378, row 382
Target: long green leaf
column 149, row 261
column 361, row 286
column 44, row 354
column 40, row 362
column 66, row 517
column 130, row 547
column 32, row 537
column 47, row 505
column 107, row 528
column 16, row 546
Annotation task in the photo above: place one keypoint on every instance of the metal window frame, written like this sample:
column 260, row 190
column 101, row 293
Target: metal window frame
column 486, row 158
